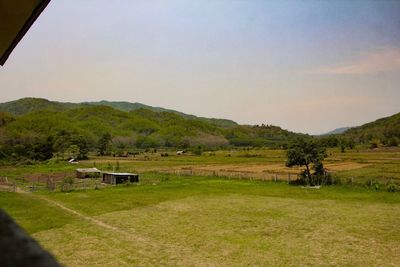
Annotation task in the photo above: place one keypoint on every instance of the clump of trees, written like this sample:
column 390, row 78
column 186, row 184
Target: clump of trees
column 333, row 141
column 103, row 144
column 308, row 153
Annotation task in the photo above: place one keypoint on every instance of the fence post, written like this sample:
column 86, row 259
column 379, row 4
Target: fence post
column 288, row 178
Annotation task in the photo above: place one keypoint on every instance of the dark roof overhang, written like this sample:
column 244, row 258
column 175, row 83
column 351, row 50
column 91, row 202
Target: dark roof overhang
column 16, row 17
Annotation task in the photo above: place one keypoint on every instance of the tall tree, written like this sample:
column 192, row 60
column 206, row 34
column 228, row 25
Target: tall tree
column 306, row 152
column 103, row 144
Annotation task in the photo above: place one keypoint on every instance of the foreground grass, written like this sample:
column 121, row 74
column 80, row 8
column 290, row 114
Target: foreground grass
column 172, row 220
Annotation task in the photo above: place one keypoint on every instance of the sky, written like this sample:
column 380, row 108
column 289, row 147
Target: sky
column 307, row 66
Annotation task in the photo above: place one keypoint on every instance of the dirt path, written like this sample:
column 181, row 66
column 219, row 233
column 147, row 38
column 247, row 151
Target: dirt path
column 132, row 234
column 61, row 206
column 87, row 218
column 128, row 234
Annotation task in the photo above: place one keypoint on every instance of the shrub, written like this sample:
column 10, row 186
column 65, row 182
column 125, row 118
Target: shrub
column 117, row 166
column 316, row 179
column 109, row 166
column 336, row 180
column 198, row 151
column 393, row 141
column 392, row 187
column 373, row 184
column 375, row 143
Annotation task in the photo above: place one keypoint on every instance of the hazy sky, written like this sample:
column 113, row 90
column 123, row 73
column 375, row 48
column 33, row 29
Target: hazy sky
column 307, row 66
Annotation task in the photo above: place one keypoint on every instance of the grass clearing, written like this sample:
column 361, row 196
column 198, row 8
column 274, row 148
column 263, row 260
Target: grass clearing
column 170, row 219
column 174, row 220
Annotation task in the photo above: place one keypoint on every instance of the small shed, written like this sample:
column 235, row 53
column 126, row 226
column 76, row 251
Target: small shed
column 88, row 173
column 73, row 161
column 119, row 178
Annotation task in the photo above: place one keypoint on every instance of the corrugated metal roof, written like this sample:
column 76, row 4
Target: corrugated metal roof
column 120, row 173
column 88, row 170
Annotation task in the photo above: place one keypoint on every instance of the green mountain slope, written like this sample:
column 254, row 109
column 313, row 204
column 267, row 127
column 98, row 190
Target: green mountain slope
column 27, row 105
column 385, row 131
column 127, row 106
column 40, row 128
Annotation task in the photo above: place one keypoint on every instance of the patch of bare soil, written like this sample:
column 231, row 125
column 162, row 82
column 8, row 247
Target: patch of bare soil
column 345, row 166
column 253, row 171
column 5, row 187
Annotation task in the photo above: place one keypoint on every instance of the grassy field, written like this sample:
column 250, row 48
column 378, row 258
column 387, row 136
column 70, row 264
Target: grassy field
column 360, row 167
column 186, row 221
column 194, row 220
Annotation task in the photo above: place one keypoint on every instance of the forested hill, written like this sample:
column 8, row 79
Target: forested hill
column 385, row 131
column 127, row 106
column 32, row 127
column 27, row 105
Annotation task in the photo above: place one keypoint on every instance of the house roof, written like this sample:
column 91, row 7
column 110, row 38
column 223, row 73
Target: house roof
column 88, row 170
column 16, row 17
column 120, row 173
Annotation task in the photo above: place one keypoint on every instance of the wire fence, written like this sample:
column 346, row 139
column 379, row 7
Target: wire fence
column 69, row 183
column 241, row 175
column 65, row 185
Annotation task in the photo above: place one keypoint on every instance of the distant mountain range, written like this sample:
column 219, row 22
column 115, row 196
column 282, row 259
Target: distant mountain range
column 337, row 131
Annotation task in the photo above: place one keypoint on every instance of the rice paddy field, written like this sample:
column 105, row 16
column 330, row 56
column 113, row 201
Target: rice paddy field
column 222, row 208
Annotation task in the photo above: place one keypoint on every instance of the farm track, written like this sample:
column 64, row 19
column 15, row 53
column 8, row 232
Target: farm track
column 126, row 234
column 80, row 215
column 59, row 205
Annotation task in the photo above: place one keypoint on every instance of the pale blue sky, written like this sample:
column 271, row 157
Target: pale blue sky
column 307, row 66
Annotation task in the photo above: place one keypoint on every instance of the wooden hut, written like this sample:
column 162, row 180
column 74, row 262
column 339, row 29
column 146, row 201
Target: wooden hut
column 88, row 173
column 119, row 178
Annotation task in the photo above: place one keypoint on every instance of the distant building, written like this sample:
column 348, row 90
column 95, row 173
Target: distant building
column 88, row 173
column 73, row 161
column 119, row 178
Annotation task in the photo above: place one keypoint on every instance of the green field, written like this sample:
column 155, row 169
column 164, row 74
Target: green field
column 186, row 220
column 357, row 166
